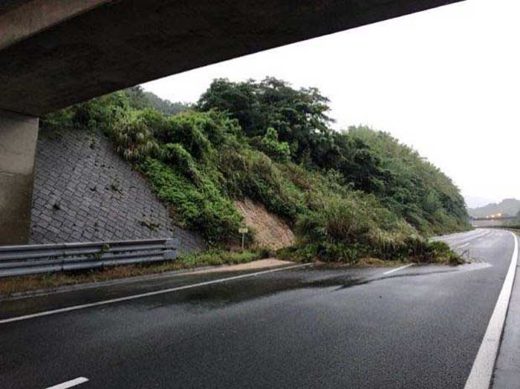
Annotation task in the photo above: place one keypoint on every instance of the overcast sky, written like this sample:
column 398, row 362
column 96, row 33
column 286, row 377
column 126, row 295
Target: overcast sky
column 445, row 81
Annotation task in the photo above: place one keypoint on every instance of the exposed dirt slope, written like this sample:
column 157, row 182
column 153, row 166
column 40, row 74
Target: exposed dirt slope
column 270, row 230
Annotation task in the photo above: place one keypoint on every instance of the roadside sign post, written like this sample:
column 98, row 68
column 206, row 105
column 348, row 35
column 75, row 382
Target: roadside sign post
column 243, row 231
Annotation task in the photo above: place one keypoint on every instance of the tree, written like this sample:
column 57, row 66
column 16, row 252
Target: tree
column 299, row 117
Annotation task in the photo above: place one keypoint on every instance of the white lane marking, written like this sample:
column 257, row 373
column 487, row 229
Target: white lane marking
column 462, row 246
column 482, row 370
column 473, row 238
column 463, row 236
column 397, row 269
column 70, row 384
column 147, row 294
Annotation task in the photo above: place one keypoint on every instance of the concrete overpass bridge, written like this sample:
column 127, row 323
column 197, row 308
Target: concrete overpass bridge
column 493, row 221
column 54, row 53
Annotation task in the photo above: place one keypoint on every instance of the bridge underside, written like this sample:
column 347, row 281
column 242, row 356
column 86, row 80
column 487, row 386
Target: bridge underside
column 55, row 53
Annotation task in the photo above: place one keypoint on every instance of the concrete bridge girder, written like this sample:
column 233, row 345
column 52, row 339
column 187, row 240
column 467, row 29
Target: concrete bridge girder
column 77, row 50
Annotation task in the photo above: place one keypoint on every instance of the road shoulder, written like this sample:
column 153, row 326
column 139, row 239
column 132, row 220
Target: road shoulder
column 250, row 266
column 507, row 368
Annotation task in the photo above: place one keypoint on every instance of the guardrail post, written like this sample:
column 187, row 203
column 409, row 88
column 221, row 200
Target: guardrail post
column 172, row 243
column 171, row 246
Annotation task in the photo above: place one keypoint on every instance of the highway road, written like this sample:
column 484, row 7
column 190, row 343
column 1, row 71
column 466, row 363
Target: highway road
column 302, row 327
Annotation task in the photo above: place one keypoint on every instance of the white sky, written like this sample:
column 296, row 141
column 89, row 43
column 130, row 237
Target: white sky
column 445, row 81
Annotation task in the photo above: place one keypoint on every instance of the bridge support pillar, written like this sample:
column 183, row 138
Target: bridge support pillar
column 18, row 136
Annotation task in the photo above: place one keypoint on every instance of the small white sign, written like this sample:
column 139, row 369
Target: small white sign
column 243, row 230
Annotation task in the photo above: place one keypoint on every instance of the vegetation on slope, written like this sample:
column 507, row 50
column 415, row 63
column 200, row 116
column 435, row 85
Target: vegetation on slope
column 141, row 99
column 350, row 194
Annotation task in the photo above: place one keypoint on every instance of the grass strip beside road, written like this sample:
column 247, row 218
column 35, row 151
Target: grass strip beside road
column 50, row 281
column 12, row 285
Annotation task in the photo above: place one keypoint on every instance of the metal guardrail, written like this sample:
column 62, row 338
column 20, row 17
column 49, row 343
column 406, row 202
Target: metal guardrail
column 48, row 258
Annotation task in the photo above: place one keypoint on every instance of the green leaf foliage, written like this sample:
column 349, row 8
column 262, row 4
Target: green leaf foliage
column 200, row 207
column 277, row 150
column 348, row 194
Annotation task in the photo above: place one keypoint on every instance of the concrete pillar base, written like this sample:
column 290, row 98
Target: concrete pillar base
column 18, row 136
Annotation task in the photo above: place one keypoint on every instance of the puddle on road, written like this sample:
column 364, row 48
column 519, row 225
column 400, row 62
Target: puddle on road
column 228, row 293
column 328, row 279
column 320, row 279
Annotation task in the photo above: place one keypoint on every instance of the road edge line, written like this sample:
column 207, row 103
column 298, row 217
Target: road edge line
column 70, row 383
column 482, row 370
column 147, row 294
column 397, row 269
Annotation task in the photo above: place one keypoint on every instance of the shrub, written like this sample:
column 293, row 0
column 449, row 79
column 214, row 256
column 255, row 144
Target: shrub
column 249, row 173
column 101, row 113
column 57, row 121
column 133, row 136
column 270, row 145
column 201, row 208
column 175, row 154
column 349, row 227
column 214, row 257
column 440, row 252
column 198, row 132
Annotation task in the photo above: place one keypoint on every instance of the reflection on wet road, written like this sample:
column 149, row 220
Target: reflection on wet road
column 315, row 326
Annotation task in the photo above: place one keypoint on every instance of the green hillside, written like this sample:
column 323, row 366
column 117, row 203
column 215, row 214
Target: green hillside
column 507, row 207
column 350, row 194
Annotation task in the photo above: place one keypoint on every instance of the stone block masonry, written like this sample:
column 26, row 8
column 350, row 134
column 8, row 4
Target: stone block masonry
column 84, row 191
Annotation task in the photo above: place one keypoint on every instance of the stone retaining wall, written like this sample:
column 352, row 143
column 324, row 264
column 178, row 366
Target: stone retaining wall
column 83, row 191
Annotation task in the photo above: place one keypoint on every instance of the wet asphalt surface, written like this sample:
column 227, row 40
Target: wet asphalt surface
column 312, row 327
